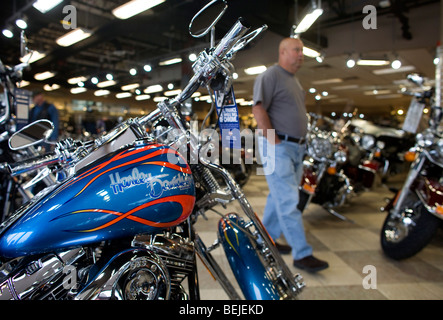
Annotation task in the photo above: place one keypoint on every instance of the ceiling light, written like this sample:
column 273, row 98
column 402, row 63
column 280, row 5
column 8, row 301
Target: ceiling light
column 122, row 95
column 170, row 86
column 328, row 81
column 77, row 80
column 53, row 87
column 320, row 58
column 23, row 83
column 159, row 99
column 350, row 63
column 170, row 61
column 313, row 12
column 73, row 36
column 7, row 32
column 147, row 67
column 143, row 97
column 153, row 89
column 310, row 52
column 133, row 71
column 109, row 76
column 94, row 80
column 45, row 5
column 21, row 23
column 77, row 90
column 373, row 62
column 134, row 7
column 130, row 86
column 32, row 56
column 44, row 75
column 172, row 93
column 105, row 84
column 375, row 92
column 255, row 70
column 391, row 70
column 192, row 57
column 100, row 93
column 396, row 64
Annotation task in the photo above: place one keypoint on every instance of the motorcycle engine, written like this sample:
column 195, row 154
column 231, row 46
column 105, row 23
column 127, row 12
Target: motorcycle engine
column 48, row 277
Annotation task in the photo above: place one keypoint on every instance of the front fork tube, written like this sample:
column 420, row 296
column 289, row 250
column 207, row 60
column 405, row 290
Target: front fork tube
column 413, row 173
column 215, row 269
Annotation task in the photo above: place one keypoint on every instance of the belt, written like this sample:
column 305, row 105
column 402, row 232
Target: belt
column 285, row 137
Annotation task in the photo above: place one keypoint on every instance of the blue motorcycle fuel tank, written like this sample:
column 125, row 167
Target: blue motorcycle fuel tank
column 137, row 189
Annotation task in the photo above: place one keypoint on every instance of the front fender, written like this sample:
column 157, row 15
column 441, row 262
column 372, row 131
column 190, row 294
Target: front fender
column 245, row 263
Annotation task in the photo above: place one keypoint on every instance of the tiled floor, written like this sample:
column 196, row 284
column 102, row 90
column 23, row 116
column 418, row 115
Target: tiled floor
column 348, row 247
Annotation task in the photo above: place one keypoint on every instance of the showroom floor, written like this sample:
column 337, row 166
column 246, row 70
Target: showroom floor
column 348, row 246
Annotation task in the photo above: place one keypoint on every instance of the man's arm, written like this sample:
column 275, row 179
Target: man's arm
column 264, row 123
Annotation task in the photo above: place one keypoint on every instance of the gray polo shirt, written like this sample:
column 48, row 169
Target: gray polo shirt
column 283, row 98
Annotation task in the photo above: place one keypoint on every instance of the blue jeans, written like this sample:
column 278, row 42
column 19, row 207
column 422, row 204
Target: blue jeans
column 283, row 167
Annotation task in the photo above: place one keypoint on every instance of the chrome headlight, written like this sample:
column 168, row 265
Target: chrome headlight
column 320, row 147
column 340, row 156
column 367, row 142
column 425, row 139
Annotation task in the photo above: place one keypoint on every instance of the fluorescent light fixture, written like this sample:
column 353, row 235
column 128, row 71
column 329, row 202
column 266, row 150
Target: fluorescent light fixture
column 23, row 83
column 255, row 70
column 159, row 99
column 170, row 61
column 310, row 52
column 130, row 86
column 134, row 7
column 100, row 93
column 32, row 56
column 372, row 62
column 44, row 75
column 172, row 93
column 122, row 95
column 328, row 81
column 105, row 84
column 347, row 87
column 390, row 70
column 45, row 5
column 76, row 80
column 308, row 20
column 153, row 89
column 77, row 90
column 376, row 92
column 196, row 94
column 143, row 97
column 73, row 36
column 53, row 87
column 389, row 96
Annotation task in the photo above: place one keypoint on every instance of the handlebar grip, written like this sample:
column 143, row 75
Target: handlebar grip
column 230, row 39
column 33, row 164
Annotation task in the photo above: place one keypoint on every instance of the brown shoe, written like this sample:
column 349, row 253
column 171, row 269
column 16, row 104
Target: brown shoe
column 310, row 264
column 283, row 248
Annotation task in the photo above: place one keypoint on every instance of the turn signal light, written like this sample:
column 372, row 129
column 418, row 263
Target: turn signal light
column 410, row 156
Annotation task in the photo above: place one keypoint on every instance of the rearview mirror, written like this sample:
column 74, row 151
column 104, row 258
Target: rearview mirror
column 33, row 133
column 207, row 17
